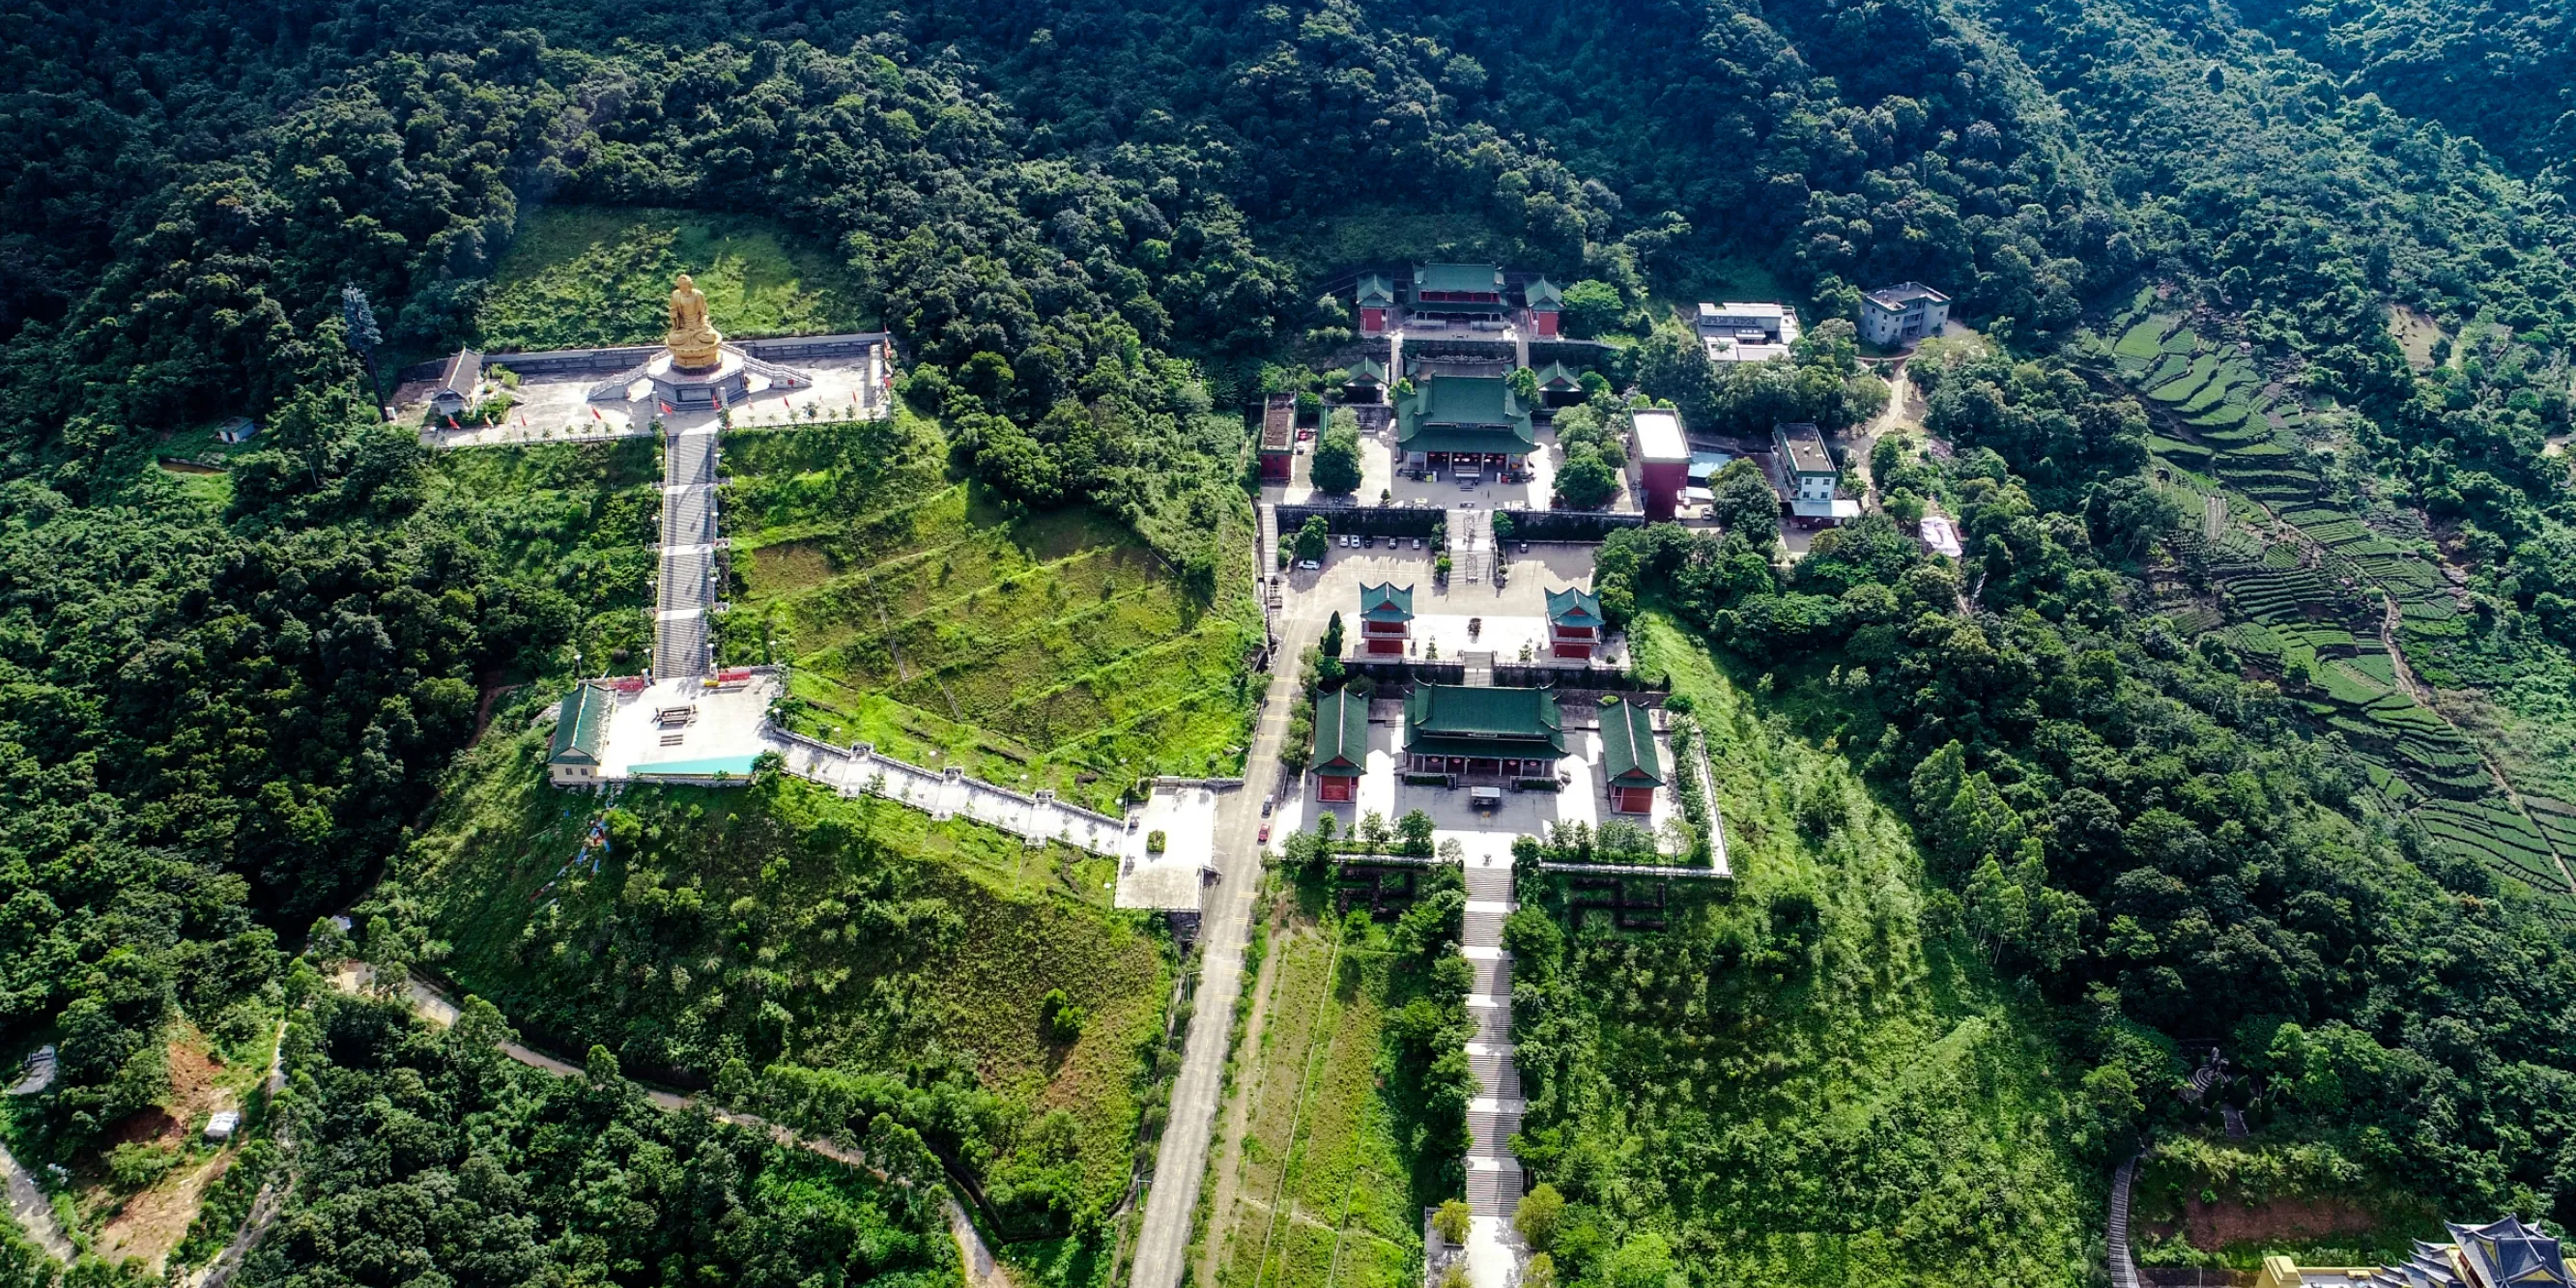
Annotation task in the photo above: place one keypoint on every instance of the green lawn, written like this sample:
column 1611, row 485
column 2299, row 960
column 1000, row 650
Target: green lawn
column 588, row 275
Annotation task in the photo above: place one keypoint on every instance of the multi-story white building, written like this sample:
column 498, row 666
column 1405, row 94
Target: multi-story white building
column 1902, row 314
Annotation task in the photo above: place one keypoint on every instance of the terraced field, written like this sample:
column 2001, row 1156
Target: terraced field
column 2303, row 588
column 1058, row 649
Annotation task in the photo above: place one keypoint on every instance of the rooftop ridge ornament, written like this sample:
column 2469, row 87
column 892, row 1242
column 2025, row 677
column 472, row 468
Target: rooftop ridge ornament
column 694, row 342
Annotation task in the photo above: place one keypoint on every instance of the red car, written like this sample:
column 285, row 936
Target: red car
column 1265, row 834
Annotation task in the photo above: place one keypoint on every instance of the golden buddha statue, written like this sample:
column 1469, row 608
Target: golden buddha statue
column 694, row 342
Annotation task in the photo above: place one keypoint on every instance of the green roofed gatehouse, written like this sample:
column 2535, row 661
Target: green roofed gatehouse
column 1545, row 304
column 1386, row 617
column 1630, row 765
column 580, row 731
column 1482, row 732
column 1365, row 383
column 1341, row 745
column 1559, row 385
column 1469, row 424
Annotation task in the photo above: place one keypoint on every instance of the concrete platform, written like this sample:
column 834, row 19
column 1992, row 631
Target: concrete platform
column 1173, row 879
column 559, row 408
column 723, row 730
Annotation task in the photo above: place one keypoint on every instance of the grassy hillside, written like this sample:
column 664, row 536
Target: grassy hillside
column 1810, row 1082
column 784, row 923
column 586, row 275
column 1057, row 649
column 1323, row 1173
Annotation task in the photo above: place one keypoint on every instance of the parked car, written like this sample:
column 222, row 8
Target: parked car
column 1308, row 564
column 1369, row 541
column 1524, row 547
column 1268, row 799
column 1417, row 543
column 1265, row 834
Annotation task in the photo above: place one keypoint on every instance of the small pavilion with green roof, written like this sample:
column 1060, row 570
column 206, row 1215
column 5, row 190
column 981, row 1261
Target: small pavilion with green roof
column 1559, row 385
column 1545, row 303
column 1575, row 626
column 574, row 759
column 1386, row 617
column 1461, row 731
column 1630, row 766
column 1467, row 423
column 1375, row 300
column 1365, row 382
column 1340, row 757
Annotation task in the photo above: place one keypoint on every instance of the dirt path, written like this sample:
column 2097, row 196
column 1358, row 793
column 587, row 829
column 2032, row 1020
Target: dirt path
column 982, row 1270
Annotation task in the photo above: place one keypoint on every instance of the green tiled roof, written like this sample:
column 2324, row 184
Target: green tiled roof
column 1341, row 733
column 1541, row 294
column 1574, row 606
column 581, row 726
column 1457, row 277
column 1451, row 720
column 1374, row 293
column 1464, row 414
column 1558, row 377
column 1386, row 603
column 1367, row 371
column 1628, row 745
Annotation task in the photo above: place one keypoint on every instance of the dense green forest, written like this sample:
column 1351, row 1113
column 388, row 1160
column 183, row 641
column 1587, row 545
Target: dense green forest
column 227, row 703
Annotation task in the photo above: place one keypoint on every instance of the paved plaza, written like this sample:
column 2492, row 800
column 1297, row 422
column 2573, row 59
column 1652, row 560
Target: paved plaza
column 559, row 408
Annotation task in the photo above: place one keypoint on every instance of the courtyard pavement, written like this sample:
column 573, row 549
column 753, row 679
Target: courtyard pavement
column 559, row 409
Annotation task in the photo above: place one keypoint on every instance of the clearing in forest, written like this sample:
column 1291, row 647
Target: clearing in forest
column 1052, row 650
column 581, row 276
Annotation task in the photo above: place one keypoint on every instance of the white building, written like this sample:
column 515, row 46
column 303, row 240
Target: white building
column 1740, row 332
column 1902, row 314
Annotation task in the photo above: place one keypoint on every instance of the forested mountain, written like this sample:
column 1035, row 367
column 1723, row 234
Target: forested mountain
column 1087, row 223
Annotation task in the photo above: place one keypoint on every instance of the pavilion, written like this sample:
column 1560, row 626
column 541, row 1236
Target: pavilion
column 1386, row 617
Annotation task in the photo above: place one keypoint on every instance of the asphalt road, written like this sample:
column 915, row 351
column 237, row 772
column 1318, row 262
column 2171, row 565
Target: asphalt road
column 1162, row 1244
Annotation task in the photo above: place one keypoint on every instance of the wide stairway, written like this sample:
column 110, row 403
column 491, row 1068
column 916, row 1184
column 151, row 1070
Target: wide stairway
column 1493, row 1175
column 1471, row 544
column 687, row 580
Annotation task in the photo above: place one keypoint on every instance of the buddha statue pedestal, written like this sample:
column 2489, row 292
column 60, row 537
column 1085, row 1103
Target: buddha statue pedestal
column 725, row 384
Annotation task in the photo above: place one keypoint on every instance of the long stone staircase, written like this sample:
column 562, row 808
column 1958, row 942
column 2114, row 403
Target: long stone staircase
column 687, row 579
column 1494, row 1179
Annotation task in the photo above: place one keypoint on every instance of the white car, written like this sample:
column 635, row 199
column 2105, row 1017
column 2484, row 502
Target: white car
column 1308, row 564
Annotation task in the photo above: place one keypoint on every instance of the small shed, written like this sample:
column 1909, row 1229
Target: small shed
column 221, row 1127
column 239, row 429
column 457, row 383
